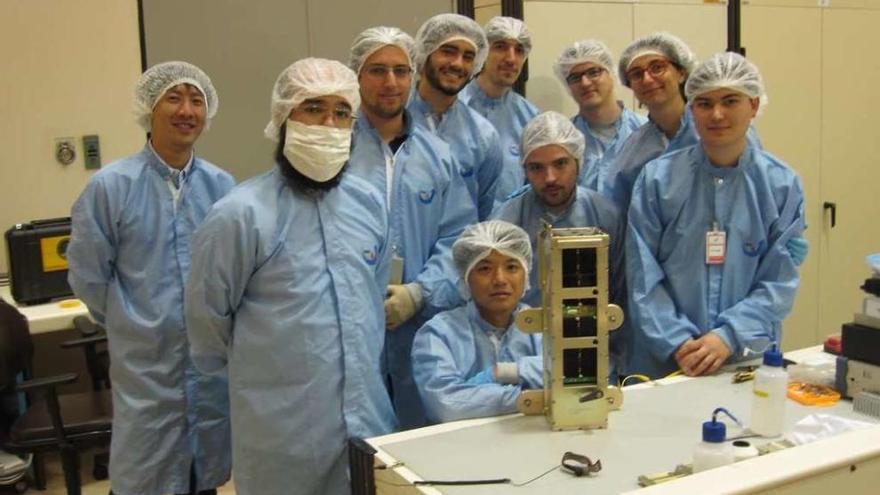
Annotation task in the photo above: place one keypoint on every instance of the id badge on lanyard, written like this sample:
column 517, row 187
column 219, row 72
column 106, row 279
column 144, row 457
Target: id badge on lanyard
column 716, row 246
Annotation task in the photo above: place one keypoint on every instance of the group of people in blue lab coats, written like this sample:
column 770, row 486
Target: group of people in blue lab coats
column 368, row 280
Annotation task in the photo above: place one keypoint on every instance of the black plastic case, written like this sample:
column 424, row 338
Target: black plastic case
column 37, row 254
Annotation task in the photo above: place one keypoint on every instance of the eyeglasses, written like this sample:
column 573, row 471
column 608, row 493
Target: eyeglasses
column 381, row 71
column 320, row 111
column 656, row 68
column 593, row 74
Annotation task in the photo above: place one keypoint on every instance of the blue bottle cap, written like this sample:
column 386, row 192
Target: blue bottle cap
column 714, row 431
column 773, row 357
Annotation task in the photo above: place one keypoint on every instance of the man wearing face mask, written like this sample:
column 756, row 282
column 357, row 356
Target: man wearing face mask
column 450, row 49
column 286, row 294
column 426, row 199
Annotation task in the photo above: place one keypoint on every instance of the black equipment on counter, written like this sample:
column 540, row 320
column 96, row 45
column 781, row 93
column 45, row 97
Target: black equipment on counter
column 37, row 254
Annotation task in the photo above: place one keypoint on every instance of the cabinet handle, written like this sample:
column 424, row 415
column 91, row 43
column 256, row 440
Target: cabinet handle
column 833, row 207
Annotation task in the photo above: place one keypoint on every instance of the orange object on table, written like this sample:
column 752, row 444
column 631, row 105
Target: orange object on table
column 812, row 395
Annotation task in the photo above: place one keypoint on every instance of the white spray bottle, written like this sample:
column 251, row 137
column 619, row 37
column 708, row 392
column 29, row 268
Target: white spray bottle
column 769, row 394
column 714, row 451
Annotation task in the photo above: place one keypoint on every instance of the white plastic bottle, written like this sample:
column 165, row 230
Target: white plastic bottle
column 769, row 394
column 713, row 451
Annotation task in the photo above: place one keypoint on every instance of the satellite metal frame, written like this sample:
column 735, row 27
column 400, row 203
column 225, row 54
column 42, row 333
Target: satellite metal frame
column 576, row 319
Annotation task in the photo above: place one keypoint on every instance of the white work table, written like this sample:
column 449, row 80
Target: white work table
column 48, row 317
column 656, row 429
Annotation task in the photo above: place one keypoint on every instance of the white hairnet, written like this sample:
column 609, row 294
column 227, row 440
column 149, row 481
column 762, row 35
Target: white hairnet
column 726, row 70
column 309, row 78
column 477, row 242
column 158, row 79
column 581, row 52
column 552, row 128
column 447, row 27
column 372, row 39
column 508, row 28
column 663, row 44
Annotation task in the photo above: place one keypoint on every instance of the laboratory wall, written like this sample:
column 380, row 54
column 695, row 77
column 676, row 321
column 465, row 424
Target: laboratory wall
column 69, row 68
column 243, row 46
column 822, row 78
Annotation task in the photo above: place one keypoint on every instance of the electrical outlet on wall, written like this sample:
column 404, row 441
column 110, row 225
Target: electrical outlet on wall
column 92, row 151
column 65, row 150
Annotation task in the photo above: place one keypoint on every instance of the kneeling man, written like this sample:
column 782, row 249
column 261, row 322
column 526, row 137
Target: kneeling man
column 473, row 361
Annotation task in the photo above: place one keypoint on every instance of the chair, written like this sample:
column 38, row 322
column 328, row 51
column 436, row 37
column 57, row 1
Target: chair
column 97, row 361
column 66, row 423
column 98, row 364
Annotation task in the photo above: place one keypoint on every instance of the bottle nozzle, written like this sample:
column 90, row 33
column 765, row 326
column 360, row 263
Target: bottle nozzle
column 725, row 411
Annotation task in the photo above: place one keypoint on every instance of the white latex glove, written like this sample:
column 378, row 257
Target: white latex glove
column 399, row 306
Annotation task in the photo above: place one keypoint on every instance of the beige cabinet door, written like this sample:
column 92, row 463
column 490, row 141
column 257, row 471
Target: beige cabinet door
column 850, row 149
column 786, row 46
column 821, row 81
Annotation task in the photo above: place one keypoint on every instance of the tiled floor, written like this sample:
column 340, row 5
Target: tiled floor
column 55, row 482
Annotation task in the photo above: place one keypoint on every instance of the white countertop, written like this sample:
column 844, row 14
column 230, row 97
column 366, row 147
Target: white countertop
column 49, row 317
column 655, row 430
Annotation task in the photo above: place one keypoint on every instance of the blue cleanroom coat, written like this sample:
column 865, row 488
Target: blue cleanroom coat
column 129, row 256
column 456, row 346
column 509, row 115
column 286, row 296
column 475, row 145
column 429, row 207
column 675, row 295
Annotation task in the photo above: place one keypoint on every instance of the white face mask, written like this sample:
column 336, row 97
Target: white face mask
column 317, row 151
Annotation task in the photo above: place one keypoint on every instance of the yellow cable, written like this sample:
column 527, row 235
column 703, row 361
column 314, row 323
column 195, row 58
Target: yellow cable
column 643, row 378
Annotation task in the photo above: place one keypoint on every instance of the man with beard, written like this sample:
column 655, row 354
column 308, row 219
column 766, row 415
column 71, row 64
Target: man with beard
column 450, row 49
column 286, row 292
column 552, row 149
column 425, row 196
column 491, row 95
column 129, row 256
column 587, row 70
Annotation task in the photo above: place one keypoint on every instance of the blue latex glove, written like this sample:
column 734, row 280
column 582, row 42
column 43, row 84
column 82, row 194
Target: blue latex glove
column 482, row 378
column 798, row 248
